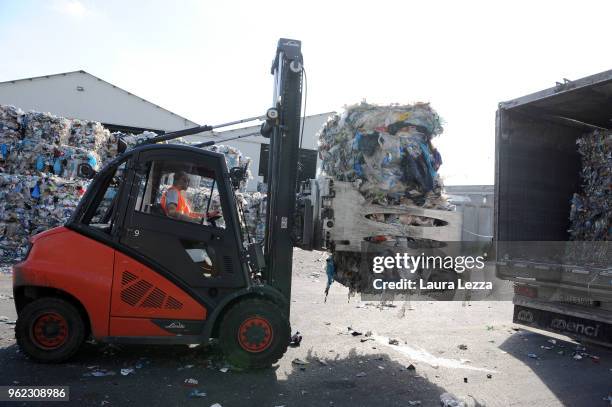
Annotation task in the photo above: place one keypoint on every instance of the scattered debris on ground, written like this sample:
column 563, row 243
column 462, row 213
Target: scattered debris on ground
column 296, row 340
column 191, row 382
column 100, row 373
column 450, row 400
column 128, row 371
column 195, row 393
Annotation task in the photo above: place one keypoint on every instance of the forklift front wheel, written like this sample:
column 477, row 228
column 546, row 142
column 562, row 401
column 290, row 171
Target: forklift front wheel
column 254, row 333
column 49, row 330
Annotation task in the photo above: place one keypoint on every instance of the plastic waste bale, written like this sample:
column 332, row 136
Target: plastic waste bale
column 234, row 158
column 11, row 120
column 28, row 158
column 254, row 209
column 35, row 143
column 134, row 140
column 200, row 197
column 92, row 136
column 45, row 127
column 387, row 151
column 591, row 208
column 39, row 157
column 32, row 204
column 89, row 135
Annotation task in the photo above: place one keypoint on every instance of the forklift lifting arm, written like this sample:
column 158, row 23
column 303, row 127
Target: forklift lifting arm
column 196, row 130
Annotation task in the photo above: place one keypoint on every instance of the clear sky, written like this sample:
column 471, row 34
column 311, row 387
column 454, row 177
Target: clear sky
column 210, row 61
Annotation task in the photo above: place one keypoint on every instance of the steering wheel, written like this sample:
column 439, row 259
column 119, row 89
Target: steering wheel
column 213, row 219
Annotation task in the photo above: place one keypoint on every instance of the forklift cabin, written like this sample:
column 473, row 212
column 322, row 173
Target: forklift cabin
column 199, row 251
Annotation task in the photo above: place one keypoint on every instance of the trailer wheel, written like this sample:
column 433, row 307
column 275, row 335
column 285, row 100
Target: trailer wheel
column 254, row 334
column 49, row 330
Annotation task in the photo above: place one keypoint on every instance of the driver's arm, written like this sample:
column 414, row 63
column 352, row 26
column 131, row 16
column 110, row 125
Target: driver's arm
column 173, row 213
column 209, row 215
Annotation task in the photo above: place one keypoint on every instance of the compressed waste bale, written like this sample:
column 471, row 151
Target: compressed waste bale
column 31, row 204
column 254, row 209
column 34, row 143
column 11, row 119
column 45, row 127
column 28, row 158
column 591, row 209
column 39, row 157
column 88, row 134
column 134, row 140
column 387, row 152
column 233, row 156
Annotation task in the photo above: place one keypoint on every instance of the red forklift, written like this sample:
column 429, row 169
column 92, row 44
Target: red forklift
column 122, row 271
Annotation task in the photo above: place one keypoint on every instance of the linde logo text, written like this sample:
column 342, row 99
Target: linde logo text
column 175, row 325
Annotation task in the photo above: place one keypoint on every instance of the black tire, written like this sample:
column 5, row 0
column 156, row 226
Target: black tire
column 242, row 327
column 49, row 330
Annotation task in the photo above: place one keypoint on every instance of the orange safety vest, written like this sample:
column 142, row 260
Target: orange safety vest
column 181, row 207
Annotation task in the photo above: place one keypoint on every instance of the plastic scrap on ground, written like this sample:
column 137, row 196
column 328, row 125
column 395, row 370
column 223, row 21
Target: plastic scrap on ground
column 195, row 393
column 450, row 400
column 296, row 340
column 191, row 382
column 100, row 373
column 128, row 371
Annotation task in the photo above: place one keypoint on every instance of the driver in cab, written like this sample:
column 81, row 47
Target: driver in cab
column 175, row 204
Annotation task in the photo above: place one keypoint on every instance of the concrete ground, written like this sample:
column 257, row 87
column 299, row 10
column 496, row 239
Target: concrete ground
column 471, row 350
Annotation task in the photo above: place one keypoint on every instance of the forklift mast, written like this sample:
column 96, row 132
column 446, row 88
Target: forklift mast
column 284, row 136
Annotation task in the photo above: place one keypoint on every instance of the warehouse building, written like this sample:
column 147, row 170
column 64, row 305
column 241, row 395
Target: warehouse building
column 81, row 95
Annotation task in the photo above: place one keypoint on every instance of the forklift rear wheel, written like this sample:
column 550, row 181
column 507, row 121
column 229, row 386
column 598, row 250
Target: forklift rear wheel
column 49, row 330
column 254, row 334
